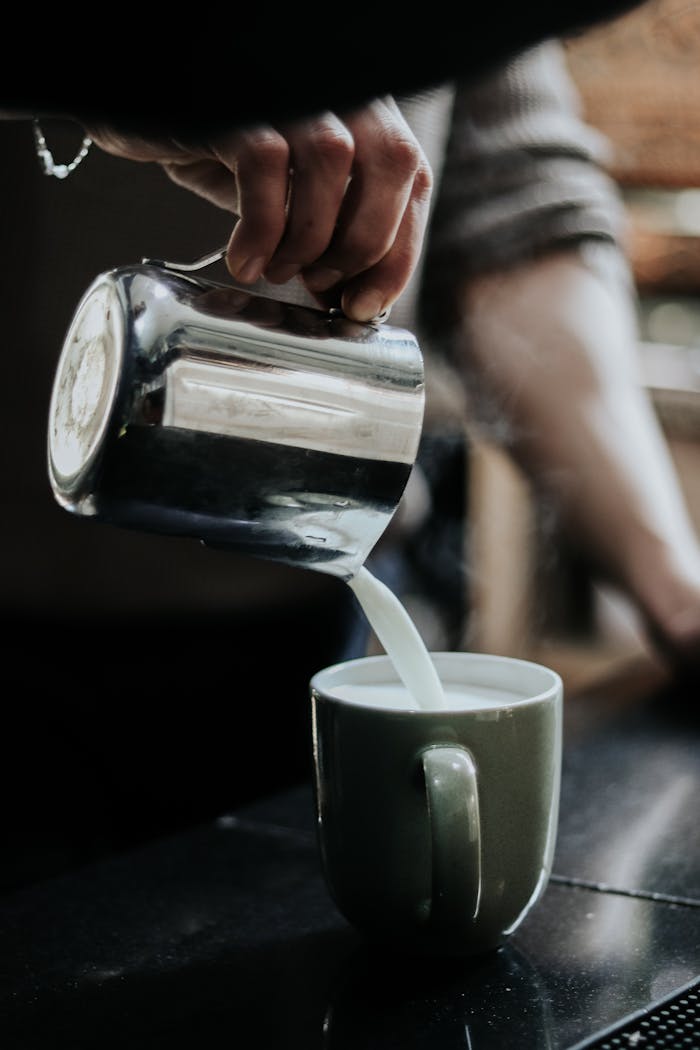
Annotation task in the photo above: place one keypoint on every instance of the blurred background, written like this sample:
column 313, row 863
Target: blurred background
column 638, row 85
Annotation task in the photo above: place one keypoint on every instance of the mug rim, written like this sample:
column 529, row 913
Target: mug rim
column 322, row 682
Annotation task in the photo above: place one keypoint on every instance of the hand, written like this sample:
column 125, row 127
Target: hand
column 339, row 202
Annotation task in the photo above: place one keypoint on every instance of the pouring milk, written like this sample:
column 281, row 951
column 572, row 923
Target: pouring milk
column 422, row 688
column 400, row 637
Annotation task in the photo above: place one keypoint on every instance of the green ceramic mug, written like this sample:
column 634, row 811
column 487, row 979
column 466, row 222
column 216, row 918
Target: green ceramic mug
column 437, row 828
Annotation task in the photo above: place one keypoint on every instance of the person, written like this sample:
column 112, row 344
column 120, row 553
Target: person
column 526, row 289
column 504, row 198
column 539, row 316
column 298, row 212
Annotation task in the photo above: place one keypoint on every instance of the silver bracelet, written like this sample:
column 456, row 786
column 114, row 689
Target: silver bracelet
column 48, row 166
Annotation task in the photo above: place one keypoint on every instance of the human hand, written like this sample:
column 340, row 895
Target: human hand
column 339, row 202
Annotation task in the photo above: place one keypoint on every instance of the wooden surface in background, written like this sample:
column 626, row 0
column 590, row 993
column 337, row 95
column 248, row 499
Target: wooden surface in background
column 663, row 262
column 639, row 79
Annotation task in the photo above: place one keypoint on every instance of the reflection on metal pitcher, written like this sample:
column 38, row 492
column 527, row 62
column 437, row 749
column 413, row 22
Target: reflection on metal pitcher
column 186, row 407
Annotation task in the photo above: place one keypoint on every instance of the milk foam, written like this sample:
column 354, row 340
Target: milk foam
column 454, row 697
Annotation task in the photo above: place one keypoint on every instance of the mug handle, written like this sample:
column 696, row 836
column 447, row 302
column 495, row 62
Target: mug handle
column 455, row 831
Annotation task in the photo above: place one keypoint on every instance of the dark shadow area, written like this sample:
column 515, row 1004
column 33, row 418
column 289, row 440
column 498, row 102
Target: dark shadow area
column 148, row 683
column 225, row 1001
column 118, row 730
column 317, row 991
column 385, row 1001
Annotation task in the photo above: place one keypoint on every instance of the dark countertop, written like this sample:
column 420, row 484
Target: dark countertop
column 225, row 935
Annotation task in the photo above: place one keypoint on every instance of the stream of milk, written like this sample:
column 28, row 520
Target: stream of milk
column 400, row 638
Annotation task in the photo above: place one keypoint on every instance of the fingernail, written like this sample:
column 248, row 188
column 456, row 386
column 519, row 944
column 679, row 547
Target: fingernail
column 250, row 270
column 322, row 279
column 364, row 306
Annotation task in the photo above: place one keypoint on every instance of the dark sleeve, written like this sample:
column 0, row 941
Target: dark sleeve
column 207, row 71
column 523, row 172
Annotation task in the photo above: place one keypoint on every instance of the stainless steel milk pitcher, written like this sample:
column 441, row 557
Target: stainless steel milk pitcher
column 187, row 407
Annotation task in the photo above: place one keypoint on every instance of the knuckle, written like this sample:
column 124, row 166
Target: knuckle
column 265, row 149
column 423, row 181
column 401, row 152
column 331, row 145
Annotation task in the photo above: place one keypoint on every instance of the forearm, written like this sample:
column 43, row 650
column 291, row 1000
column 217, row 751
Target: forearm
column 547, row 341
column 550, row 347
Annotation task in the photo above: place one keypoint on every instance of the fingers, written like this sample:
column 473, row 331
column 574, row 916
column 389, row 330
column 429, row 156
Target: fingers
column 259, row 160
column 321, row 153
column 340, row 202
column 380, row 229
column 378, row 287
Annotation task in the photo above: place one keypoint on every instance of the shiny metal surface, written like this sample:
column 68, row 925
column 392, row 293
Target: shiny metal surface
column 216, row 256
column 186, row 407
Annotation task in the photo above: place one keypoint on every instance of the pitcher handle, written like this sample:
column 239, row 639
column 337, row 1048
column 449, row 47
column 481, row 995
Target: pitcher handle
column 219, row 253
column 206, row 260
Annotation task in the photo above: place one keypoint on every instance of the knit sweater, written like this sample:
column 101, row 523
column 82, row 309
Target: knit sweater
column 517, row 170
